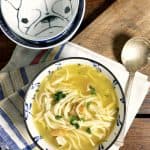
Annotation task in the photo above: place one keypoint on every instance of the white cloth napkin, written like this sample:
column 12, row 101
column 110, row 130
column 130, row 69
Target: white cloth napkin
column 23, row 57
column 140, row 83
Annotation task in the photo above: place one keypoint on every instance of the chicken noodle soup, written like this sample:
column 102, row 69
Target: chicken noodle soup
column 75, row 108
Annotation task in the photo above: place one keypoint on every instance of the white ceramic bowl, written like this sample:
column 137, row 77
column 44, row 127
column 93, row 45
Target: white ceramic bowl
column 39, row 20
column 38, row 45
column 56, row 65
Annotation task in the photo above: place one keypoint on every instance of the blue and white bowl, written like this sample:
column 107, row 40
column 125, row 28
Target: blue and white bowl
column 37, row 43
column 56, row 65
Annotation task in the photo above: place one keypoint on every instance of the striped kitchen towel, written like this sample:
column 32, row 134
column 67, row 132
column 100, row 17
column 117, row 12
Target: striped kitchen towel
column 23, row 66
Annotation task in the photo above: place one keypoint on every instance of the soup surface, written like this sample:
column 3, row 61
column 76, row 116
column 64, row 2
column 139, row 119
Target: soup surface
column 75, row 108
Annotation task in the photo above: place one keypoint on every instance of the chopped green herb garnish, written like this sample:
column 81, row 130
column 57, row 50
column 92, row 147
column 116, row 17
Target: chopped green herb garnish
column 74, row 121
column 76, row 125
column 82, row 119
column 92, row 90
column 88, row 130
column 58, row 96
column 57, row 117
column 88, row 104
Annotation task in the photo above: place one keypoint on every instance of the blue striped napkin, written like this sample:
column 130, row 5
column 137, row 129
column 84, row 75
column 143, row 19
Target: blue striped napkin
column 13, row 134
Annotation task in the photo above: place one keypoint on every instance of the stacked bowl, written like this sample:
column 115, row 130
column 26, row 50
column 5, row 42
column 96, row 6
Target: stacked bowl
column 42, row 24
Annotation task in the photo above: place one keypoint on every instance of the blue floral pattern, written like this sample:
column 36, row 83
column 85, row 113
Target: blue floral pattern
column 115, row 83
column 37, row 138
column 95, row 65
column 119, row 122
column 58, row 65
column 122, row 100
column 35, row 85
column 101, row 147
column 27, row 110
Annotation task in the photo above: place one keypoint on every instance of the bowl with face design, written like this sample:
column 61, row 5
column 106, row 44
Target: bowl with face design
column 41, row 20
column 49, row 43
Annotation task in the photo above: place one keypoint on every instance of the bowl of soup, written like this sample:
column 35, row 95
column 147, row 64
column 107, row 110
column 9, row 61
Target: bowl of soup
column 74, row 103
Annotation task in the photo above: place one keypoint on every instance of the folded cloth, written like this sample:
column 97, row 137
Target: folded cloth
column 25, row 64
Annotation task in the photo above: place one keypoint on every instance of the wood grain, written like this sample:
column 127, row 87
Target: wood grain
column 93, row 9
column 138, row 137
column 145, row 108
column 107, row 34
column 6, row 48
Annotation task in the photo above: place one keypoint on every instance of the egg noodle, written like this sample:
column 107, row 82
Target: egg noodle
column 75, row 108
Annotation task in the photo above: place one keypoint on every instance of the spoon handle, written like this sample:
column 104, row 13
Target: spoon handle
column 148, row 58
column 128, row 90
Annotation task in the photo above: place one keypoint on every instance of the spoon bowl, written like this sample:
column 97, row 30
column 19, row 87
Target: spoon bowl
column 135, row 53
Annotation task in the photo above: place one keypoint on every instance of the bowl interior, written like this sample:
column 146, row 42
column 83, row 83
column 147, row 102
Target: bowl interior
column 54, row 66
column 40, row 20
column 61, row 39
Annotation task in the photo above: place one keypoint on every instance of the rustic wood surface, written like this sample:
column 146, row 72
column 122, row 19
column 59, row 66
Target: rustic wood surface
column 110, row 30
column 105, row 30
column 138, row 137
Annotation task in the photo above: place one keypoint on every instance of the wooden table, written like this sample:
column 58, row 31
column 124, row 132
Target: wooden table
column 108, row 24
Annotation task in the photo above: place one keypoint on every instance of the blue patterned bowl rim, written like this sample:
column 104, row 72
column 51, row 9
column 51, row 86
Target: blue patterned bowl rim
column 57, row 62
